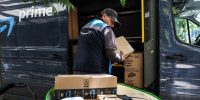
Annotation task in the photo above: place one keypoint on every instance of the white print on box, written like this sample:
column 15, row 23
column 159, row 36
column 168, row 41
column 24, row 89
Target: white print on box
column 129, row 47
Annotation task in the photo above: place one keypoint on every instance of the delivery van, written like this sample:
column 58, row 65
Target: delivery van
column 166, row 31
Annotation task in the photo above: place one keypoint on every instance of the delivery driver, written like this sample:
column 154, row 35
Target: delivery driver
column 97, row 45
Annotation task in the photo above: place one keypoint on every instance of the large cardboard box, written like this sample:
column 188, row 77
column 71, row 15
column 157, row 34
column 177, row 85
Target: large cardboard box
column 134, row 70
column 86, row 86
column 124, row 46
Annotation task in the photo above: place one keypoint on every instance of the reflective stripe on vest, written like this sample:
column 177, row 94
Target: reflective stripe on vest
column 96, row 24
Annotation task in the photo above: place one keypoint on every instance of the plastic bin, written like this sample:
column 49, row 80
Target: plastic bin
column 122, row 89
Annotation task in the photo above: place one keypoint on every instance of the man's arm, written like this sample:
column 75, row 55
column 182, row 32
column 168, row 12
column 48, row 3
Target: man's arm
column 113, row 56
column 110, row 46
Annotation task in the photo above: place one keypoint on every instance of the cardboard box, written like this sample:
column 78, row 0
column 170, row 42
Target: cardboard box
column 86, row 86
column 124, row 46
column 133, row 74
column 134, row 60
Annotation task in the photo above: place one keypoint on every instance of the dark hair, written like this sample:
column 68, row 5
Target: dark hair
column 99, row 15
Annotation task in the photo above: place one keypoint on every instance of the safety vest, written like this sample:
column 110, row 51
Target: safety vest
column 90, row 55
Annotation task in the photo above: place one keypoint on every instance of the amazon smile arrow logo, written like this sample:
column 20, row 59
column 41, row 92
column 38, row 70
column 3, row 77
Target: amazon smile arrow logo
column 11, row 21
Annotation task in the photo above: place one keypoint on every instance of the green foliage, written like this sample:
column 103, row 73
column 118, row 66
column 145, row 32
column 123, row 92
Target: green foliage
column 175, row 10
column 46, row 2
column 166, row 11
column 194, row 31
column 54, row 10
column 34, row 1
column 123, row 2
column 181, row 29
column 25, row 0
column 65, row 3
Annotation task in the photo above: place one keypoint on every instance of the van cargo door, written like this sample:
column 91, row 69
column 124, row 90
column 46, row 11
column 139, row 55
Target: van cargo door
column 179, row 50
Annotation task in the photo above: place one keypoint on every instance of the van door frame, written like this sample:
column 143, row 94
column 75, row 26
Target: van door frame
column 150, row 28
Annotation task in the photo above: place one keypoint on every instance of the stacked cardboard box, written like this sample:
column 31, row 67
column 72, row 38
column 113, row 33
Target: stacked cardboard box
column 134, row 70
column 86, row 86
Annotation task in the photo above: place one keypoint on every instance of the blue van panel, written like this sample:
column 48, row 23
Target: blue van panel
column 179, row 62
column 37, row 47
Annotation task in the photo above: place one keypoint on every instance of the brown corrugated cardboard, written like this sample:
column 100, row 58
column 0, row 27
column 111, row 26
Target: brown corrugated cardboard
column 124, row 46
column 86, row 86
column 134, row 77
column 73, row 24
column 134, row 70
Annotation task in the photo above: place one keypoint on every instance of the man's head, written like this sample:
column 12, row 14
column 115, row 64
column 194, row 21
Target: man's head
column 110, row 17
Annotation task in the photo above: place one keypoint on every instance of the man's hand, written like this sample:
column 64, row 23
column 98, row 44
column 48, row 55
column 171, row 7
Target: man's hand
column 123, row 56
